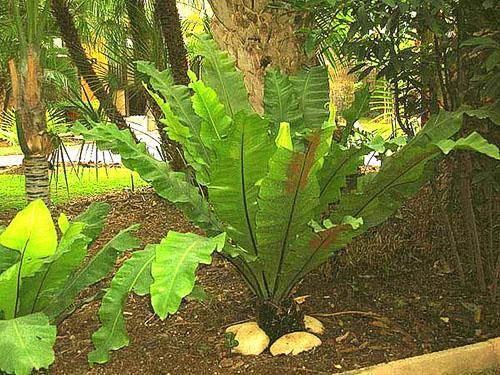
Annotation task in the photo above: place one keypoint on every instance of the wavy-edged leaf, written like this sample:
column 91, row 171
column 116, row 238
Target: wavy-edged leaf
column 491, row 111
column 26, row 343
column 312, row 90
column 177, row 258
column 173, row 186
column 280, row 101
column 178, row 98
column 288, row 198
column 97, row 268
column 401, row 175
column 241, row 162
column 181, row 134
column 219, row 73
column 473, row 142
column 133, row 275
column 215, row 122
column 94, row 218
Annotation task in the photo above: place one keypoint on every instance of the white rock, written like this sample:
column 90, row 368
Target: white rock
column 313, row 325
column 252, row 340
column 295, row 343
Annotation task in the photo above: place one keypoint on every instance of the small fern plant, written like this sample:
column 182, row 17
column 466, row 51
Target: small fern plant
column 273, row 183
column 41, row 278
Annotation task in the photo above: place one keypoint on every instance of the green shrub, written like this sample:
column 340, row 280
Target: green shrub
column 41, row 277
column 275, row 182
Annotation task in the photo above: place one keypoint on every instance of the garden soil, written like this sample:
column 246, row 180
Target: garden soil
column 407, row 309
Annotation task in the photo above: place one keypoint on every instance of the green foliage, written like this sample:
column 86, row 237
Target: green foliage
column 40, row 278
column 173, row 186
column 133, row 275
column 271, row 196
column 26, row 344
column 177, row 258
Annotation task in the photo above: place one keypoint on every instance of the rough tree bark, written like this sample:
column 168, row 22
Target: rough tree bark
column 31, row 122
column 168, row 15
column 71, row 38
column 137, row 97
column 260, row 37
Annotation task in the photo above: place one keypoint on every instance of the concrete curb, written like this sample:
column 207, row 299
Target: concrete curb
column 463, row 360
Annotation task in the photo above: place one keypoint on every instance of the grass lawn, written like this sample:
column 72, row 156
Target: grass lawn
column 12, row 186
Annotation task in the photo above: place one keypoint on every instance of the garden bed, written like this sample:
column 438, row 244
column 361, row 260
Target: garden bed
column 370, row 318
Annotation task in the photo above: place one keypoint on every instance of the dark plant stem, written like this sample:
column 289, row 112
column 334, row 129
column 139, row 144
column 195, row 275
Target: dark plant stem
column 278, row 320
column 470, row 219
column 136, row 13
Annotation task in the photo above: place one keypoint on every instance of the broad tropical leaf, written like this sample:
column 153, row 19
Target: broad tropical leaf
column 214, row 120
column 288, row 198
column 280, row 101
column 173, row 186
column 177, row 258
column 340, row 163
column 311, row 89
column 473, row 142
column 358, row 109
column 39, row 289
column 94, row 271
column 26, row 344
column 133, row 275
column 179, row 103
column 220, row 74
column 240, row 163
column 33, row 235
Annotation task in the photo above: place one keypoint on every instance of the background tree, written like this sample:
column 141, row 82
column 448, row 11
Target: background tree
column 26, row 72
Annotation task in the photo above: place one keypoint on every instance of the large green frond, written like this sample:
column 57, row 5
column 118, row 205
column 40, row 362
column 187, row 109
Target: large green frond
column 173, row 186
column 133, row 275
column 280, row 101
column 26, row 344
column 94, row 271
column 177, row 258
column 220, row 74
column 241, row 161
column 312, row 90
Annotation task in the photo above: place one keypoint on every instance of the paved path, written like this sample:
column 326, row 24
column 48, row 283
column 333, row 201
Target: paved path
column 88, row 153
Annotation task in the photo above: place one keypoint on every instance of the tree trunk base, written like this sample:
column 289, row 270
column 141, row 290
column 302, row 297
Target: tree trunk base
column 36, row 172
column 277, row 321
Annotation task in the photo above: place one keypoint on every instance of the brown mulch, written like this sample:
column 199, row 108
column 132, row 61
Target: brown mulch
column 371, row 317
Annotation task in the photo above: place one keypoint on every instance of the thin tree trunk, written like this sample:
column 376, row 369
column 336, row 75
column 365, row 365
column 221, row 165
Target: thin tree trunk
column 31, row 123
column 136, row 13
column 259, row 38
column 71, row 38
column 168, row 15
column 470, row 219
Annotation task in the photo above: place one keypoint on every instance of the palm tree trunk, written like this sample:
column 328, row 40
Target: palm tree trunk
column 31, row 123
column 259, row 38
column 71, row 38
column 136, row 13
column 168, row 15
column 36, row 178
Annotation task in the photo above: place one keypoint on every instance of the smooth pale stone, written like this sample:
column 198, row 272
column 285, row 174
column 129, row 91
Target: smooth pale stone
column 252, row 340
column 313, row 325
column 295, row 343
